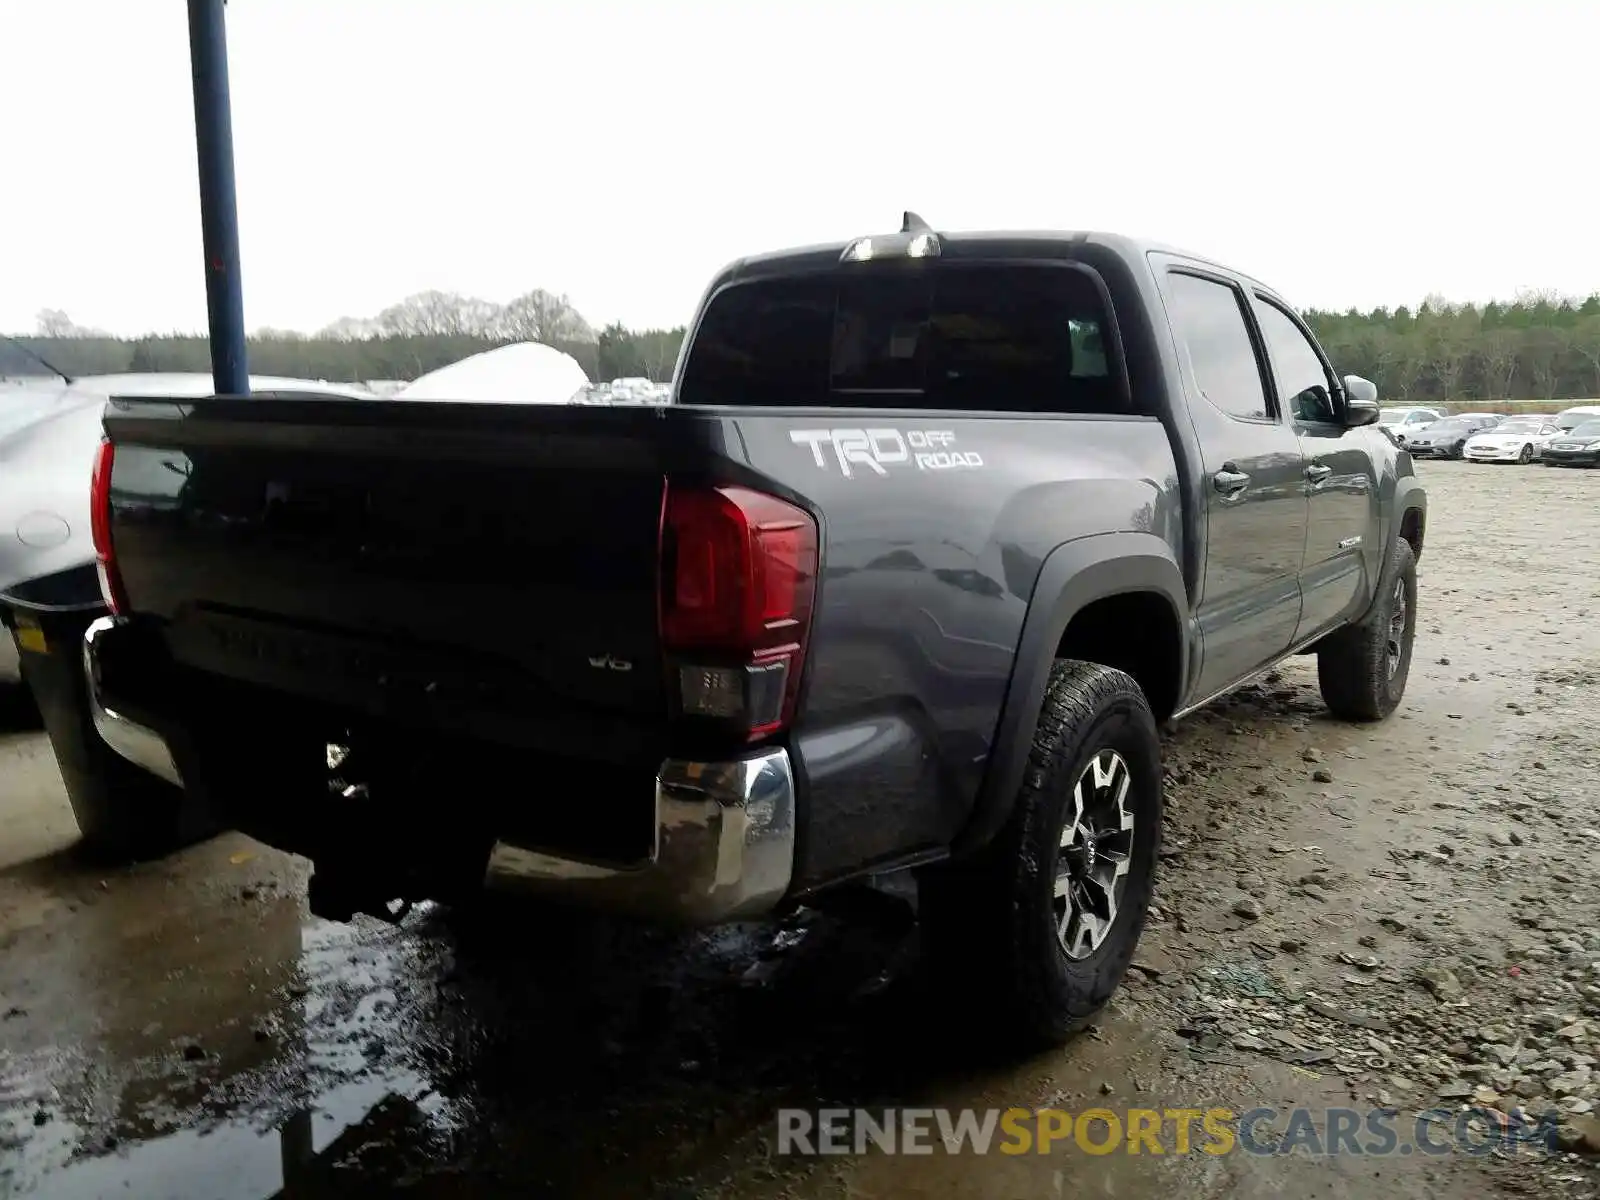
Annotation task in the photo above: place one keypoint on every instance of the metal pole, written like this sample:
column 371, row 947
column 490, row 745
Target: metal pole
column 219, row 213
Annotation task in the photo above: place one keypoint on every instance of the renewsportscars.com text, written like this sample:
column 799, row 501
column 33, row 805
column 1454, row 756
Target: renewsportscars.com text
column 1217, row 1131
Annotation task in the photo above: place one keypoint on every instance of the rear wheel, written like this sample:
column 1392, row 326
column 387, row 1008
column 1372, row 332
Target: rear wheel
column 1362, row 669
column 1040, row 926
column 1459, row 451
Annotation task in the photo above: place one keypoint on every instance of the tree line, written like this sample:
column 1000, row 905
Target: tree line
column 416, row 335
column 1539, row 346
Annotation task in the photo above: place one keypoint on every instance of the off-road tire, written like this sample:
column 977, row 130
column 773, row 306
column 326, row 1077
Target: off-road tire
column 989, row 925
column 1353, row 665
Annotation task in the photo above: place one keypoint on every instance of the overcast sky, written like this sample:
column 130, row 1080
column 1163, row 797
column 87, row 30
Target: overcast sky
column 1345, row 152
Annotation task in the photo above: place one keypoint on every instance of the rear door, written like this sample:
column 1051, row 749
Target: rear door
column 1253, row 476
column 1341, row 484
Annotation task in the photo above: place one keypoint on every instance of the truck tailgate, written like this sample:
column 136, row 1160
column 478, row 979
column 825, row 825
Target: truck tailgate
column 405, row 557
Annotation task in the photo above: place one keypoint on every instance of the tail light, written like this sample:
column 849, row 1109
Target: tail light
column 738, row 576
column 100, row 529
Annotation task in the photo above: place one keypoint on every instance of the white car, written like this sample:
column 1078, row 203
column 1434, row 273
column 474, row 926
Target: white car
column 1516, row 439
column 1403, row 422
column 49, row 427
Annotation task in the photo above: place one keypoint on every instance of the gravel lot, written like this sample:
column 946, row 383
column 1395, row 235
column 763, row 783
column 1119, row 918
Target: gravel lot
column 1403, row 915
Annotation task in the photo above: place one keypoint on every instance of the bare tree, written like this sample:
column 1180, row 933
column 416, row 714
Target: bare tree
column 1497, row 356
column 1542, row 349
column 541, row 316
column 1585, row 344
column 1448, row 359
column 1399, row 362
column 1535, row 297
column 660, row 351
column 434, row 313
column 350, row 329
column 53, row 323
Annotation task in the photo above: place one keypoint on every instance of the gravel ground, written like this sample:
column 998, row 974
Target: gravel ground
column 1405, row 915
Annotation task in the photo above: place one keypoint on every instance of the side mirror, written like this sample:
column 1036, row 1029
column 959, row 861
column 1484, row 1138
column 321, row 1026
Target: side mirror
column 1360, row 402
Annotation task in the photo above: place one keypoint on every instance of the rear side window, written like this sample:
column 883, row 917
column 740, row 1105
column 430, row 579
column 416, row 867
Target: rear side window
column 1211, row 328
column 945, row 336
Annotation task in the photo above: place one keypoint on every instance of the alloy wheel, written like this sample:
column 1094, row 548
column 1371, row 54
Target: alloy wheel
column 1397, row 627
column 1095, row 854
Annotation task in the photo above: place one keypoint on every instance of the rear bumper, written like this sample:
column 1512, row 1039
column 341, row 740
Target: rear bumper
column 724, row 844
column 725, row 847
column 137, row 743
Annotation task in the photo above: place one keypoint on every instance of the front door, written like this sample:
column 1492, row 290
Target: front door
column 1341, row 482
column 1253, row 480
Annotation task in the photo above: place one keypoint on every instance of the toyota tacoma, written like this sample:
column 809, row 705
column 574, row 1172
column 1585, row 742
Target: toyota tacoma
column 933, row 534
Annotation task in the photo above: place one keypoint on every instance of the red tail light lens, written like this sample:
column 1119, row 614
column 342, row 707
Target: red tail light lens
column 100, row 528
column 739, row 573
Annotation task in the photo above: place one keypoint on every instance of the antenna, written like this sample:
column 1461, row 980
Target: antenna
column 911, row 223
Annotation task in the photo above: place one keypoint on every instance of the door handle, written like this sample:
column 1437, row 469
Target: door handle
column 1316, row 472
column 1229, row 481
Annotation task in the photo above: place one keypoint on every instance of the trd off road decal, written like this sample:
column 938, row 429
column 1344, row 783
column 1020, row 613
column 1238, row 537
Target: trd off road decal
column 877, row 450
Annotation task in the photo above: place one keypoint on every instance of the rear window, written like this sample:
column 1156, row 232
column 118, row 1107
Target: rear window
column 948, row 336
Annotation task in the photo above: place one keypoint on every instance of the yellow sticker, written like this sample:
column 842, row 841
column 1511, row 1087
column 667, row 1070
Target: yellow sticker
column 31, row 638
column 243, row 856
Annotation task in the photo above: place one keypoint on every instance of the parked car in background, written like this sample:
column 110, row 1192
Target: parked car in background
column 1402, row 423
column 1485, row 420
column 1578, row 447
column 50, row 427
column 1447, row 437
column 1571, row 418
column 1516, row 439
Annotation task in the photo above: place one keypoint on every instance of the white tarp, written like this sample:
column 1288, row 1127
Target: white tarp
column 521, row 373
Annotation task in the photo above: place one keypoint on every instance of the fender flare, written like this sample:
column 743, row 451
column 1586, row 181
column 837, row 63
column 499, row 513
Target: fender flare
column 1073, row 576
column 1409, row 494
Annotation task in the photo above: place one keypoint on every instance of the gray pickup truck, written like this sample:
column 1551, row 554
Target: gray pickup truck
column 935, row 531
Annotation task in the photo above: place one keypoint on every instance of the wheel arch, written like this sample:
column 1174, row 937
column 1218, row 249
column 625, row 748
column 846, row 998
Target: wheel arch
column 1116, row 599
column 1411, row 512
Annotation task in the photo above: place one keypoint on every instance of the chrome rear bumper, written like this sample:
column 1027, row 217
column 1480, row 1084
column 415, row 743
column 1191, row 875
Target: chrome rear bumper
column 725, row 845
column 141, row 746
column 724, row 831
